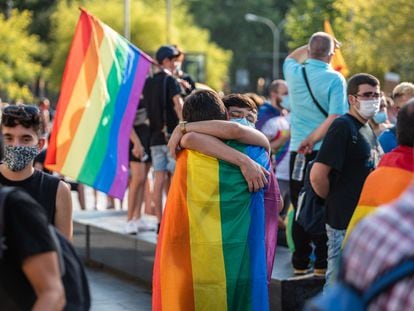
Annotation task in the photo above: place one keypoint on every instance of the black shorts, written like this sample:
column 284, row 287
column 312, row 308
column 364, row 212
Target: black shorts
column 143, row 132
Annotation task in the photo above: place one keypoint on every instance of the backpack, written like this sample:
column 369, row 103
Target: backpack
column 310, row 213
column 342, row 296
column 72, row 270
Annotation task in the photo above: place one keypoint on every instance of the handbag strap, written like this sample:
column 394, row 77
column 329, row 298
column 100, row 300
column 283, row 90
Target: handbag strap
column 323, row 111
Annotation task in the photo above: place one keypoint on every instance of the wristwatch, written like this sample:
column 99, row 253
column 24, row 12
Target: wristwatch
column 182, row 127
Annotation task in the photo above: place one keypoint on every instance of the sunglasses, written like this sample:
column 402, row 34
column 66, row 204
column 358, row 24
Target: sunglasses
column 21, row 111
column 369, row 95
column 24, row 114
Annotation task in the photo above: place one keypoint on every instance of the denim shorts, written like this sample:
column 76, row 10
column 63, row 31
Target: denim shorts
column 161, row 159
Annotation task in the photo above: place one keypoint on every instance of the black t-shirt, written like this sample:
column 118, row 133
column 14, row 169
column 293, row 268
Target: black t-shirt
column 42, row 187
column 26, row 234
column 158, row 93
column 351, row 149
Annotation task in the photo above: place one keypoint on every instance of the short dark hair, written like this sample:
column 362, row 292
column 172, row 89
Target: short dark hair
column 258, row 100
column 239, row 100
column 204, row 105
column 27, row 116
column 405, row 124
column 358, row 79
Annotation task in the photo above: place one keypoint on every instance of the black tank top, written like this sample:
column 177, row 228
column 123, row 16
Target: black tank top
column 42, row 187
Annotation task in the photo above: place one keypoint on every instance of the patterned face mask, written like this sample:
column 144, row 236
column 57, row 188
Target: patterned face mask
column 17, row 158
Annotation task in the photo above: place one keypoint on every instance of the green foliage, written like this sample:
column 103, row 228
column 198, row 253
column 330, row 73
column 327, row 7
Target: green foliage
column 306, row 17
column 250, row 42
column 19, row 56
column 378, row 36
column 148, row 28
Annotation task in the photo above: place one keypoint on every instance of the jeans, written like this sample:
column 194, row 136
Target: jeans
column 335, row 239
column 161, row 159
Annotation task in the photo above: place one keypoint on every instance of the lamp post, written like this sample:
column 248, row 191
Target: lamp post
column 127, row 19
column 276, row 38
column 168, row 21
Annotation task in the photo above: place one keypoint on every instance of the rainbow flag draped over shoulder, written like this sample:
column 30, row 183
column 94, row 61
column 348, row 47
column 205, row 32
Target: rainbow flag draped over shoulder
column 392, row 176
column 211, row 250
column 101, row 86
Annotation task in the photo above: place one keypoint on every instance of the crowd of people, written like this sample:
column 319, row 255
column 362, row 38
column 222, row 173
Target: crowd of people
column 232, row 166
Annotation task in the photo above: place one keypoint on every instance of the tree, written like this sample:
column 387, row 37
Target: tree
column 378, row 36
column 20, row 53
column 147, row 32
column 251, row 43
column 306, row 17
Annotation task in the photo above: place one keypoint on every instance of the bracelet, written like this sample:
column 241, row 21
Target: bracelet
column 182, row 127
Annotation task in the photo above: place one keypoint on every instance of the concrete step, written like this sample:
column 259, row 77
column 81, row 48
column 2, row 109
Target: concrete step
column 99, row 237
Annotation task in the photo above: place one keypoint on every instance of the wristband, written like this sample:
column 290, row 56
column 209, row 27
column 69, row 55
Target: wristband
column 182, row 127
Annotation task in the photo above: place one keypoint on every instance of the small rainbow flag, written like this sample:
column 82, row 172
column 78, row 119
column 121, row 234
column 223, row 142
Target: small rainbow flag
column 385, row 184
column 338, row 61
column 212, row 248
column 101, row 86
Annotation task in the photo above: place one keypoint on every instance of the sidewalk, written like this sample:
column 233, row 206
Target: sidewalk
column 111, row 292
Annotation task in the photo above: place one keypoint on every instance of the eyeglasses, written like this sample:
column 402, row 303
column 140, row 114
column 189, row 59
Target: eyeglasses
column 369, row 95
column 250, row 116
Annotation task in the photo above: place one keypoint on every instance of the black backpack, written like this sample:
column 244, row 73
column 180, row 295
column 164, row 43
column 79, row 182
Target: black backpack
column 72, row 270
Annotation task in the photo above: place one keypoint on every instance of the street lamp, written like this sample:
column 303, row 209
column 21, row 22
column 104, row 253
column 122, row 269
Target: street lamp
column 127, row 19
column 276, row 38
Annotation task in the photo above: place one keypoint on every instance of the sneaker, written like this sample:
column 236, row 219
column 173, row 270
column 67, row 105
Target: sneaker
column 131, row 227
column 320, row 273
column 142, row 225
column 300, row 272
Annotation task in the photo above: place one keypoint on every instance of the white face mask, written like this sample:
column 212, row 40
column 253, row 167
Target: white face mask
column 368, row 108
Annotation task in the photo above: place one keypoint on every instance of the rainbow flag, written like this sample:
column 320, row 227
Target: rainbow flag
column 392, row 176
column 101, row 87
column 338, row 61
column 212, row 248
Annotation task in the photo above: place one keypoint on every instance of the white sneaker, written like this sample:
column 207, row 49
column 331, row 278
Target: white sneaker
column 131, row 227
column 142, row 225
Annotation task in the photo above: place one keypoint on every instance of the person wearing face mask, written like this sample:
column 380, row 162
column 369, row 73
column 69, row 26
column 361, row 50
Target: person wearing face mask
column 349, row 152
column 379, row 122
column 21, row 127
column 271, row 108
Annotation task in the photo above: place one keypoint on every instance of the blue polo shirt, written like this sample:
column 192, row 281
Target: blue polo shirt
column 327, row 85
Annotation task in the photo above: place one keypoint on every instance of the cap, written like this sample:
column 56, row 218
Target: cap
column 166, row 51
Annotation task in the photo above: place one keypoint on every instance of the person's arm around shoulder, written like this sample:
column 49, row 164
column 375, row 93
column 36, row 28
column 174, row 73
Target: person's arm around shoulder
column 319, row 178
column 223, row 130
column 253, row 173
column 42, row 271
column 63, row 216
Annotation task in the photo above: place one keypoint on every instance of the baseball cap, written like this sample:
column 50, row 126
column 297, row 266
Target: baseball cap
column 166, row 51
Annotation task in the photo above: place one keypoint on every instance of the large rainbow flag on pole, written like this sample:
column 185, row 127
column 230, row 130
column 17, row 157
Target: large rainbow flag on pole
column 101, row 87
column 213, row 250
